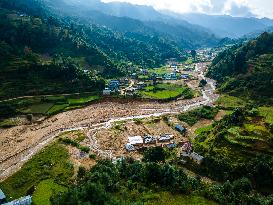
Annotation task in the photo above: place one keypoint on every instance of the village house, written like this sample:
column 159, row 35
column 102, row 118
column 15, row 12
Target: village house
column 180, row 129
column 185, row 76
column 2, row 197
column 165, row 138
column 140, row 85
column 196, row 157
column 114, row 85
column 106, row 91
column 27, row 200
column 171, row 145
column 130, row 91
column 129, row 147
column 149, row 139
column 136, row 140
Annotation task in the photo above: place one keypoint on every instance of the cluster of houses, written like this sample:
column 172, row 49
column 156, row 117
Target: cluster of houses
column 188, row 153
column 139, row 142
column 115, row 86
column 112, row 87
column 27, row 200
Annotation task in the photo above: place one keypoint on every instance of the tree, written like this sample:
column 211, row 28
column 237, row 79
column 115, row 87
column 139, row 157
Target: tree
column 155, row 154
column 29, row 117
column 193, row 54
column 203, row 83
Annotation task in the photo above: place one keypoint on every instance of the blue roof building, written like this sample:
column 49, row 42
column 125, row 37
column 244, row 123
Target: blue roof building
column 180, row 129
column 27, row 200
column 114, row 85
column 2, row 197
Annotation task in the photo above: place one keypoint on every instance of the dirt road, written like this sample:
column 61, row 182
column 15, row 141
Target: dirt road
column 19, row 144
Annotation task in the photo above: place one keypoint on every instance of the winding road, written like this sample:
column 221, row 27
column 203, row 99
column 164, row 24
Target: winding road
column 20, row 143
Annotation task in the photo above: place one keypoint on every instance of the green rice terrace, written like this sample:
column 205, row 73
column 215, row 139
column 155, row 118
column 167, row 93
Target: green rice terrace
column 43, row 106
column 166, row 91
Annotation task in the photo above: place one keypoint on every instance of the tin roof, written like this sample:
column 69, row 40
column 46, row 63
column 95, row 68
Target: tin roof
column 2, row 195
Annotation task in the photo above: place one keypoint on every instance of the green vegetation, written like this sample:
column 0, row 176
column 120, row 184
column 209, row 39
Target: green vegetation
column 24, row 41
column 194, row 116
column 45, row 190
column 80, row 101
column 166, row 92
column 134, row 182
column 165, row 198
column 9, row 122
column 246, row 70
column 240, row 142
column 230, row 102
column 267, row 113
column 49, row 170
column 38, row 108
column 74, row 143
column 44, row 105
column 203, row 130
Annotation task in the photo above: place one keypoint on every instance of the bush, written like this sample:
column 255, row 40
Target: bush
column 92, row 156
column 194, row 116
column 155, row 154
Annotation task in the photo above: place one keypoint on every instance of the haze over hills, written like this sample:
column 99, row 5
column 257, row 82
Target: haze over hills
column 115, row 103
column 135, row 20
column 220, row 25
column 224, row 25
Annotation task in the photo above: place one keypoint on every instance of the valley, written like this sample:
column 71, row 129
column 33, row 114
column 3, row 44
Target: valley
column 105, row 102
column 20, row 143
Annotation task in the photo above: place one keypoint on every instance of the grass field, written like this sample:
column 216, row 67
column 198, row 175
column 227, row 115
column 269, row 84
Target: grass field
column 45, row 190
column 82, row 100
column 267, row 113
column 38, row 108
column 230, row 102
column 165, row 91
column 51, row 163
column 165, row 198
column 160, row 71
column 47, row 105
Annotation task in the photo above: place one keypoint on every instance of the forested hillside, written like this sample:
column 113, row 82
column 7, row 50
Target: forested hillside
column 173, row 32
column 40, row 57
column 46, row 53
column 246, row 69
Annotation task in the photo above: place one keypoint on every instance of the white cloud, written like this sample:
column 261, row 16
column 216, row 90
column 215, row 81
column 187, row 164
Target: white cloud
column 260, row 8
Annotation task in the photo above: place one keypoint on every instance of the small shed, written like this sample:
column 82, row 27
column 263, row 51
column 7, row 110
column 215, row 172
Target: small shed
column 196, row 157
column 136, row 140
column 149, row 139
column 172, row 145
column 27, row 200
column 164, row 138
column 106, row 91
column 180, row 129
column 129, row 147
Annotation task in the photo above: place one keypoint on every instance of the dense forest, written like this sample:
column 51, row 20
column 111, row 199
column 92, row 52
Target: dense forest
column 246, row 69
column 134, row 182
column 42, row 51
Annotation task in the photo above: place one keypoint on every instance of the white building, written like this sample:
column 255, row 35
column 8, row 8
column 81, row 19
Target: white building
column 129, row 147
column 196, row 157
column 136, row 140
column 106, row 91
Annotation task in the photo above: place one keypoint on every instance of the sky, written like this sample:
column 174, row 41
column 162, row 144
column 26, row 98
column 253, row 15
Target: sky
column 246, row 8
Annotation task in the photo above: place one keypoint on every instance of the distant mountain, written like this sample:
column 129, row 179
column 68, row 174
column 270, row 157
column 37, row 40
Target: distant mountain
column 143, row 20
column 121, row 9
column 255, row 34
column 223, row 25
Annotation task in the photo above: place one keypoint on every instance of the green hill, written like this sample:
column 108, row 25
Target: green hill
column 246, row 69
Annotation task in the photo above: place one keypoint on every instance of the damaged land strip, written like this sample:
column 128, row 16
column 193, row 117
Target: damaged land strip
column 19, row 144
